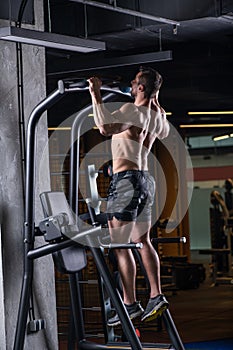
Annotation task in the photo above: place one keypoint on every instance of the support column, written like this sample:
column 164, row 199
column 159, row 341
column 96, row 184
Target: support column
column 12, row 196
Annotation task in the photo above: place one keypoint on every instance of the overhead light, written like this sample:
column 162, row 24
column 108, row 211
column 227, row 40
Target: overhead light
column 59, row 128
column 92, row 115
column 205, row 126
column 222, row 137
column 214, row 112
column 52, row 40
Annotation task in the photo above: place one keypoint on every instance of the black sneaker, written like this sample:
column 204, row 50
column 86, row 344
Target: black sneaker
column 155, row 308
column 134, row 311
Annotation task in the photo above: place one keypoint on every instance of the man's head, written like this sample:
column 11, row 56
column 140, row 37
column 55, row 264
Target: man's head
column 149, row 80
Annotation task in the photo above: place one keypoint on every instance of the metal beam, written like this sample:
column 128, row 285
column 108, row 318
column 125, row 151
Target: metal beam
column 127, row 11
column 130, row 60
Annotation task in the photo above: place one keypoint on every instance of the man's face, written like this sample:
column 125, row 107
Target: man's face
column 135, row 84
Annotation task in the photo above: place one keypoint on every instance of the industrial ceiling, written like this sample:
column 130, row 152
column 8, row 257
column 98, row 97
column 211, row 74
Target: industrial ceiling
column 190, row 42
column 198, row 33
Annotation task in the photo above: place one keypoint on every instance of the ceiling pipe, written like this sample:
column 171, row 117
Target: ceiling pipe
column 127, row 12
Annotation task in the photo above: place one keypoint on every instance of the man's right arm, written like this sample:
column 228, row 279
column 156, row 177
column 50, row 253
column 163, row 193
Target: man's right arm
column 111, row 123
column 104, row 120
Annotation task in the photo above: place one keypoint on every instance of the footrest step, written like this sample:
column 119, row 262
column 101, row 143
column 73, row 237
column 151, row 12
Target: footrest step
column 145, row 346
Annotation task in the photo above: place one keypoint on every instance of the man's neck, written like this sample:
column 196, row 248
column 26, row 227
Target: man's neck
column 141, row 101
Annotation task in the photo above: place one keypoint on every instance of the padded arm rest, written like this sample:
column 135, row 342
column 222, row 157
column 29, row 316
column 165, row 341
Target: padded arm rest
column 53, row 227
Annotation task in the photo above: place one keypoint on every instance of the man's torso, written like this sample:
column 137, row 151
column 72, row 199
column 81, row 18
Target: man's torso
column 130, row 148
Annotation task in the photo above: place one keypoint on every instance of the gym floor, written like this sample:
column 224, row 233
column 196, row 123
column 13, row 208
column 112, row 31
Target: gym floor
column 204, row 314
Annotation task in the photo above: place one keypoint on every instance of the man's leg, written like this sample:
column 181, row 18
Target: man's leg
column 120, row 233
column 157, row 302
column 149, row 257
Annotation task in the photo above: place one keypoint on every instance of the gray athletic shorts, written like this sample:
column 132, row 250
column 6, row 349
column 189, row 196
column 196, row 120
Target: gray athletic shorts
column 131, row 196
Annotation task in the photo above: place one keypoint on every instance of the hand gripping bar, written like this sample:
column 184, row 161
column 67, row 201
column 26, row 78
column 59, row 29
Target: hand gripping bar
column 77, row 84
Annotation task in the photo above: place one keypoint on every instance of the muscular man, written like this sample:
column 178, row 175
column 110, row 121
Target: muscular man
column 133, row 128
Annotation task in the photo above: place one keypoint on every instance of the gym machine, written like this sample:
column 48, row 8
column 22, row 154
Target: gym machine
column 92, row 203
column 62, row 235
column 99, row 218
column 221, row 240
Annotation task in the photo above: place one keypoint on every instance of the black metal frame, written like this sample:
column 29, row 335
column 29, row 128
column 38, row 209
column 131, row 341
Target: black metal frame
column 74, row 184
column 29, row 234
column 31, row 253
column 28, row 229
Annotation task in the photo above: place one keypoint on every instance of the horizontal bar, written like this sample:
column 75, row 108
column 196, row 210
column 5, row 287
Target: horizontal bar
column 51, row 248
column 169, row 240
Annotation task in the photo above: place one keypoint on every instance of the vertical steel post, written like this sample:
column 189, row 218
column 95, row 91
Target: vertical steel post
column 29, row 217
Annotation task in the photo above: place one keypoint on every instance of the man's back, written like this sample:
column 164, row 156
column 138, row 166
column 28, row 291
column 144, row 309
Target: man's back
column 131, row 147
column 158, row 128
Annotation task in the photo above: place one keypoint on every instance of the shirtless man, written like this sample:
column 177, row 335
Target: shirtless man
column 133, row 128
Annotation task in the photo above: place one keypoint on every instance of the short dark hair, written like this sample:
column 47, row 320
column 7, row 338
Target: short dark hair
column 151, row 79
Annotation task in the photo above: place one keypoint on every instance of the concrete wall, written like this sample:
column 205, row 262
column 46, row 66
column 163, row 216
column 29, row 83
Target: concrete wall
column 11, row 196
